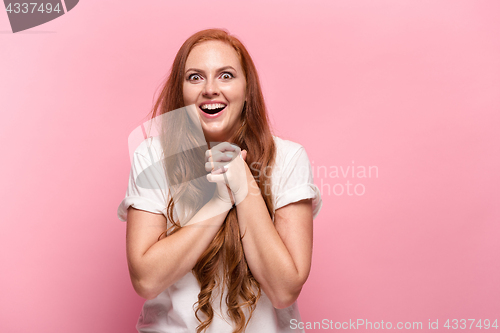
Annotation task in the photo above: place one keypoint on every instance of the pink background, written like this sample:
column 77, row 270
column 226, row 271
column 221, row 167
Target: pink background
column 410, row 87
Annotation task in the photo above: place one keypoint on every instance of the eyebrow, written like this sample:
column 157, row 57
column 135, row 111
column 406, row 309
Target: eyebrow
column 220, row 69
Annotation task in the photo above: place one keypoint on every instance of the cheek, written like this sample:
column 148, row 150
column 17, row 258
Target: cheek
column 235, row 93
column 188, row 93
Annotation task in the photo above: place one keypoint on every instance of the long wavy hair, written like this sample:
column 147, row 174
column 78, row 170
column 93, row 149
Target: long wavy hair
column 223, row 264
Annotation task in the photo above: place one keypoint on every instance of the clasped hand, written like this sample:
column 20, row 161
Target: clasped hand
column 227, row 167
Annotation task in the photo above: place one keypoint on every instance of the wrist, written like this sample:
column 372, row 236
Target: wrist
column 220, row 204
column 212, row 213
column 251, row 187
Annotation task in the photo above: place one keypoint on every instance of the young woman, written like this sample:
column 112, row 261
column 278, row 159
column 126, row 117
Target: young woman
column 238, row 262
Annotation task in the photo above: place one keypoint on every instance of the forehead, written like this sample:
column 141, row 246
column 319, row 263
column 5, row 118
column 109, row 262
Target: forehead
column 211, row 55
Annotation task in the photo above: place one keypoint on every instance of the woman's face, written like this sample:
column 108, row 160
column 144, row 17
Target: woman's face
column 215, row 82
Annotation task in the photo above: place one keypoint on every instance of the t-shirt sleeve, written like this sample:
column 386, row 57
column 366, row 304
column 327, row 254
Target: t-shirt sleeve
column 146, row 186
column 296, row 182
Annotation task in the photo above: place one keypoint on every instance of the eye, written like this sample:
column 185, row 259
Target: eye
column 227, row 75
column 194, row 77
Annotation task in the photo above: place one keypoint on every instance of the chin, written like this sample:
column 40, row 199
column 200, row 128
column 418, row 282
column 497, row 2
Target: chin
column 216, row 133
column 214, row 136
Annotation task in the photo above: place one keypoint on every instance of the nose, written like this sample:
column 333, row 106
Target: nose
column 210, row 88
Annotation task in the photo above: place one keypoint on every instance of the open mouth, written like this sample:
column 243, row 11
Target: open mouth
column 212, row 108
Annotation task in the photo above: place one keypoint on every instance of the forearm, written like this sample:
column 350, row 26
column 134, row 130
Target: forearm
column 266, row 254
column 169, row 259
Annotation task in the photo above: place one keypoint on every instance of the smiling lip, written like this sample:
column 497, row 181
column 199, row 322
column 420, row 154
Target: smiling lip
column 215, row 115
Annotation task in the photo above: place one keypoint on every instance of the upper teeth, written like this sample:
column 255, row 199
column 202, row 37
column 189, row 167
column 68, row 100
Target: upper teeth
column 212, row 106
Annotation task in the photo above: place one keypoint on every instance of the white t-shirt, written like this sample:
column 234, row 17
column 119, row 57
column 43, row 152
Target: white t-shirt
column 172, row 310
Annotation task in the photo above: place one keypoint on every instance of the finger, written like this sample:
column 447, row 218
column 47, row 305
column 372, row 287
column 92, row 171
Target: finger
column 225, row 146
column 231, row 155
column 219, row 171
column 227, row 155
column 235, row 150
column 222, row 152
column 208, row 155
column 211, row 166
column 216, row 178
column 221, row 157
